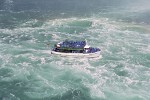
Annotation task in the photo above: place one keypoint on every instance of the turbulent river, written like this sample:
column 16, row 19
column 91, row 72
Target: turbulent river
column 30, row 28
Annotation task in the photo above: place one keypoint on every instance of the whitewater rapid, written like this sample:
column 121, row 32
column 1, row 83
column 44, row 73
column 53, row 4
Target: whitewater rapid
column 29, row 71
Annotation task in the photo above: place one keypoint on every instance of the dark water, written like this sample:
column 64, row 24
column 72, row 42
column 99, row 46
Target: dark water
column 120, row 28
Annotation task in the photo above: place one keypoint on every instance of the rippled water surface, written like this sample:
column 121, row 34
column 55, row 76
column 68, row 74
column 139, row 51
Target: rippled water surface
column 29, row 29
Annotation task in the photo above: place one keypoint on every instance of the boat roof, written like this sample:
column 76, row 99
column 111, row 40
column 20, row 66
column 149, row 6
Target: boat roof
column 74, row 41
column 71, row 44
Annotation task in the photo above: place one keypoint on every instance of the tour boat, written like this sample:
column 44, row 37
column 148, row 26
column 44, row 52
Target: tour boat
column 75, row 49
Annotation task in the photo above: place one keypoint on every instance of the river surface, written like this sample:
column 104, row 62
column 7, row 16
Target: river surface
column 30, row 28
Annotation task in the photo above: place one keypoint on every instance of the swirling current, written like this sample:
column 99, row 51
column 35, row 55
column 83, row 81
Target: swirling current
column 30, row 28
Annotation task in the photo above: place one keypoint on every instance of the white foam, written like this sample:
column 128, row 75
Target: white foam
column 95, row 74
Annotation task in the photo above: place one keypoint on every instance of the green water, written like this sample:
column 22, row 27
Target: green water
column 29, row 30
column 29, row 71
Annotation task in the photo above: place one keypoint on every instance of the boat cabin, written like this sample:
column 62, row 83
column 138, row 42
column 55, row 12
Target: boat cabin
column 74, row 47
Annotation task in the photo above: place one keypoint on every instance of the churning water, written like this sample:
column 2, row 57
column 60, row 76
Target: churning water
column 120, row 28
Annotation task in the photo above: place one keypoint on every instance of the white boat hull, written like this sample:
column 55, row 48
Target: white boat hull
column 89, row 55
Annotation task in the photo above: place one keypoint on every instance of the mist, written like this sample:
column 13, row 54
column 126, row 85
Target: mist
column 59, row 5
